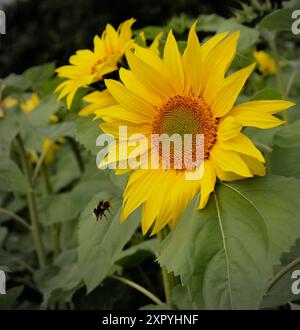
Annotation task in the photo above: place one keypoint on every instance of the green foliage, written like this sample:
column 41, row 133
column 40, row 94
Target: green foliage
column 227, row 251
column 222, row 257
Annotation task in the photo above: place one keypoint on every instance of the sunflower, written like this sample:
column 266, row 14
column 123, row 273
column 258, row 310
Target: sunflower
column 186, row 94
column 87, row 66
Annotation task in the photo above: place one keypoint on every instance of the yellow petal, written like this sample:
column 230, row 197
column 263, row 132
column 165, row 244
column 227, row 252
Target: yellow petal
column 264, row 106
column 255, row 166
column 154, row 47
column 208, row 182
column 228, row 128
column 210, row 44
column 97, row 101
column 192, row 61
column 172, row 60
column 133, row 84
column 216, row 65
column 117, row 112
column 229, row 161
column 229, row 91
column 243, row 145
column 130, row 100
column 149, row 76
column 255, row 118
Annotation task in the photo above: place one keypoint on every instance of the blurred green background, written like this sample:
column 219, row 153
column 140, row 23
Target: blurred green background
column 51, row 30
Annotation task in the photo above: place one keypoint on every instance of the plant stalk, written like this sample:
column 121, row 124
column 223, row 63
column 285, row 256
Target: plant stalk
column 138, row 287
column 36, row 232
column 283, row 272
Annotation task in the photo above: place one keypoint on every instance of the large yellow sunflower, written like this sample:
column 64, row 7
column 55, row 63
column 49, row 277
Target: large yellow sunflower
column 185, row 94
column 87, row 67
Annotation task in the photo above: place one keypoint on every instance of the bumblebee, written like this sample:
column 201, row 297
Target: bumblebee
column 101, row 208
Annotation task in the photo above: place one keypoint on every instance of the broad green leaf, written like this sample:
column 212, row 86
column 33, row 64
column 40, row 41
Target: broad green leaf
column 101, row 243
column 182, row 299
column 87, row 132
column 11, row 178
column 248, row 37
column 278, row 20
column 37, row 74
column 285, row 157
column 227, row 250
column 58, row 284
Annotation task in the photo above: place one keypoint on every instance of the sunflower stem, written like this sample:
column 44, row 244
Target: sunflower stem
column 55, row 228
column 168, row 278
column 138, row 287
column 36, row 232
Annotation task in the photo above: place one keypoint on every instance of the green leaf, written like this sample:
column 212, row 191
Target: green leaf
column 209, row 23
column 101, row 243
column 278, row 20
column 87, row 132
column 248, row 37
column 37, row 74
column 9, row 300
column 285, row 157
column 227, row 250
column 266, row 94
column 11, row 178
column 8, row 130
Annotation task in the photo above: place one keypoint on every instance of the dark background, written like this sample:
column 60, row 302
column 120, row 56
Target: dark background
column 40, row 31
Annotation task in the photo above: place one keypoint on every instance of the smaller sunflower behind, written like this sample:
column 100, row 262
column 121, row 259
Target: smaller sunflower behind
column 88, row 66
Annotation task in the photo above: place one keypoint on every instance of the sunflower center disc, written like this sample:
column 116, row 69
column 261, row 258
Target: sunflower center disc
column 182, row 114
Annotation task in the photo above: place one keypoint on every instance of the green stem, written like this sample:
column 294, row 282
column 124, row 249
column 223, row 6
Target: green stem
column 139, row 288
column 168, row 279
column 77, row 154
column 36, row 232
column 283, row 272
column 55, row 228
column 14, row 216
column 39, row 165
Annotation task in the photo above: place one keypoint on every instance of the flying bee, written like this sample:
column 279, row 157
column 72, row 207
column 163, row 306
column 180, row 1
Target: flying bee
column 101, row 207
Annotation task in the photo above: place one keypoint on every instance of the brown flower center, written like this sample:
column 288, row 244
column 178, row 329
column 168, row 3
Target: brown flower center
column 183, row 114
